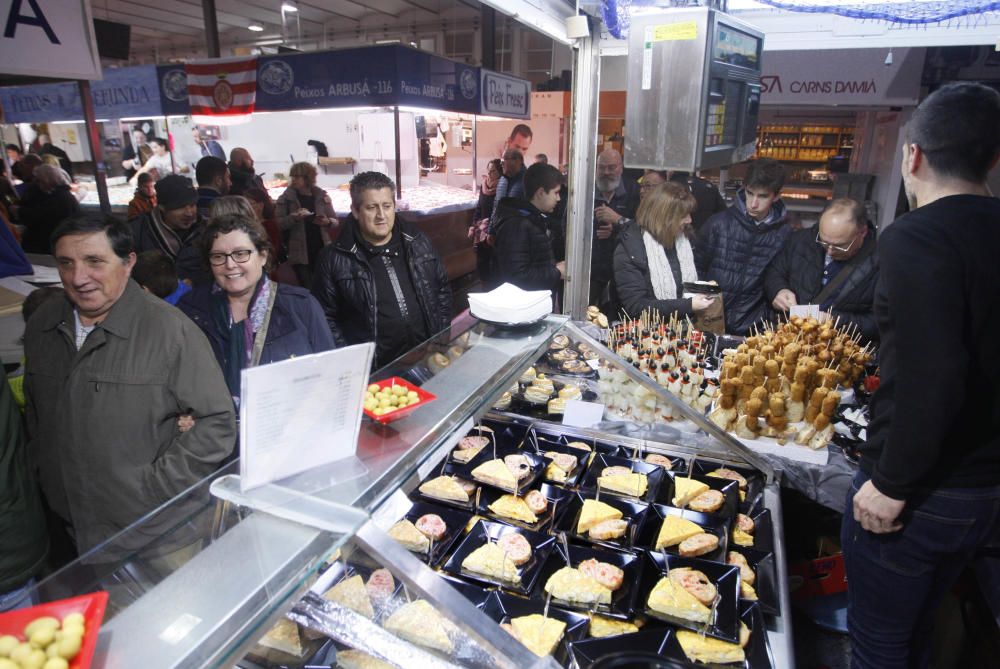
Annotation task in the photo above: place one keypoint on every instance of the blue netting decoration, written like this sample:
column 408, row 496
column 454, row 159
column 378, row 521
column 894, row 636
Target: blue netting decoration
column 914, row 12
column 615, row 14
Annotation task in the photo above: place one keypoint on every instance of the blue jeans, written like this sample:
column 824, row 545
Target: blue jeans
column 17, row 599
column 896, row 581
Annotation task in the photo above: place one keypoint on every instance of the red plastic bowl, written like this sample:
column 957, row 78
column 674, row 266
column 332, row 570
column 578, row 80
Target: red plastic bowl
column 91, row 606
column 402, row 412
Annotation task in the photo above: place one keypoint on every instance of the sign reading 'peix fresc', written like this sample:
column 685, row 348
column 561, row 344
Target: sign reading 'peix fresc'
column 48, row 38
column 505, row 96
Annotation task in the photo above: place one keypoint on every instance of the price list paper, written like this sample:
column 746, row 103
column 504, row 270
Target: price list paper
column 301, row 413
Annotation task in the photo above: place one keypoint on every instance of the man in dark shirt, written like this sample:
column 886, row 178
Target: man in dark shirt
column 213, row 179
column 927, row 498
column 706, row 194
column 381, row 280
column 615, row 202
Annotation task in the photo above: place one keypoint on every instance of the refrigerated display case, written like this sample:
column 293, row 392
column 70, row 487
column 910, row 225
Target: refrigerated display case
column 245, row 579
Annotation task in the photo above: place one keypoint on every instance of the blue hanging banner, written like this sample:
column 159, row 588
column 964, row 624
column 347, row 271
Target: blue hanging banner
column 41, row 102
column 127, row 92
column 124, row 92
column 432, row 82
column 362, row 77
column 173, row 87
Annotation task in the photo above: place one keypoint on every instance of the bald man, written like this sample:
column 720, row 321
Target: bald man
column 241, row 172
column 833, row 265
column 615, row 202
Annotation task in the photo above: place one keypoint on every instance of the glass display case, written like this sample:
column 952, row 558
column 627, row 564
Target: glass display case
column 363, row 557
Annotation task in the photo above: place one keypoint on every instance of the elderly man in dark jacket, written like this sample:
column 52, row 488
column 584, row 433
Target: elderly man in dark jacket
column 45, row 203
column 834, row 266
column 523, row 250
column 381, row 281
column 109, row 371
column 736, row 246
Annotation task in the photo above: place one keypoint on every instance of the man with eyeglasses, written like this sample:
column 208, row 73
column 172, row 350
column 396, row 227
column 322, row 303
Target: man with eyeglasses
column 834, row 266
column 174, row 228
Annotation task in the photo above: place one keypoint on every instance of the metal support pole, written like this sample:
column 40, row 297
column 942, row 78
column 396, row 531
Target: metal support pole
column 582, row 169
column 96, row 149
column 399, row 164
column 488, row 39
column 211, row 28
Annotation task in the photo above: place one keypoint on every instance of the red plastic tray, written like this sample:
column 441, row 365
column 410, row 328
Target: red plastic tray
column 91, row 606
column 424, row 396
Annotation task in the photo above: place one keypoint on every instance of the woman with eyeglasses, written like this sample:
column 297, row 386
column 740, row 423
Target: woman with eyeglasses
column 654, row 259
column 249, row 319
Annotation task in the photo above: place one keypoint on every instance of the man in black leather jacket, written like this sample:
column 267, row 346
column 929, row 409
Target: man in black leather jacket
column 381, row 280
column 735, row 246
column 814, row 258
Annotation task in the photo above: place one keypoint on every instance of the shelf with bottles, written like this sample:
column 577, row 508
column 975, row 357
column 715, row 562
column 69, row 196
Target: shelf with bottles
column 803, row 143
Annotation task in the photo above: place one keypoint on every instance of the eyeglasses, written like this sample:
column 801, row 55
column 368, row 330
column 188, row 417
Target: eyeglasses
column 650, row 186
column 239, row 256
column 832, row 247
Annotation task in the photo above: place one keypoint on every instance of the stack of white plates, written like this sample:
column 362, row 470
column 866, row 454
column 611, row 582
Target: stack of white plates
column 510, row 305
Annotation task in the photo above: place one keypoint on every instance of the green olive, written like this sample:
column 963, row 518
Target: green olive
column 7, row 644
column 69, row 646
column 56, row 663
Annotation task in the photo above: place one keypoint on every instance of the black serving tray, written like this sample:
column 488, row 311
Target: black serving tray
column 711, row 523
column 766, row 582
column 536, row 461
column 653, row 641
column 558, row 501
column 730, row 489
column 634, row 512
column 654, row 476
column 763, row 533
column 755, row 482
column 449, row 469
column 725, row 577
column 475, row 593
column 456, row 521
column 621, row 599
column 484, row 531
column 543, row 439
column 501, row 607
column 583, row 461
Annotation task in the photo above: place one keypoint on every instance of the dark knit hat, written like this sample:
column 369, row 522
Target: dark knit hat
column 175, row 191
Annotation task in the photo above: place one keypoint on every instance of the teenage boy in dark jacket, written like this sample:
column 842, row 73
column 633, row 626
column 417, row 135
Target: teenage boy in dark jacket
column 926, row 503
column 814, row 258
column 736, row 246
column 381, row 281
column 523, row 249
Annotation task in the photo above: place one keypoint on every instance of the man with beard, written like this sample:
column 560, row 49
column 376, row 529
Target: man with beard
column 926, row 503
column 241, row 172
column 615, row 203
column 174, row 227
column 736, row 246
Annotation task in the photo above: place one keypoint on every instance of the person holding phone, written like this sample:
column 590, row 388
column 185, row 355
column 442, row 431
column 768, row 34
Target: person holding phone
column 305, row 216
column 615, row 203
column 654, row 259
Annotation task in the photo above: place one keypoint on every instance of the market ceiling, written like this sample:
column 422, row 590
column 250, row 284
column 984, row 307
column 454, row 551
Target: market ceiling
column 165, row 29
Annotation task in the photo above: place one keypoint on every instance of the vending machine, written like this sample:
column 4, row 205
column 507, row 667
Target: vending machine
column 693, row 90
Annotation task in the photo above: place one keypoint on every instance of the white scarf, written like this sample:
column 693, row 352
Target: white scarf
column 660, row 274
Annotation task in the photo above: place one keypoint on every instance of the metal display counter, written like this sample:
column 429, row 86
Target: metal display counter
column 237, row 567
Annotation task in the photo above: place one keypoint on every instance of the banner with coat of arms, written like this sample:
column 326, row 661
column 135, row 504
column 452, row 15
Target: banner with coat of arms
column 222, row 87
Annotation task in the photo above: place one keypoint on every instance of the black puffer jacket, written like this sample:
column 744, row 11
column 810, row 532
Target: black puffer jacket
column 632, row 284
column 523, row 251
column 799, row 268
column 735, row 251
column 345, row 287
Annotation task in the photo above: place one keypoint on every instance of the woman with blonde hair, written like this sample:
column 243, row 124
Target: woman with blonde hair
column 305, row 216
column 654, row 258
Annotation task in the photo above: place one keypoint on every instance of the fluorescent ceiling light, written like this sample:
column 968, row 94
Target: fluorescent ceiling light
column 288, row 7
column 255, row 27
